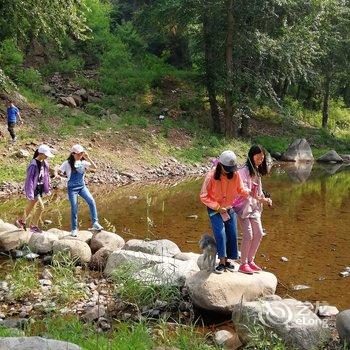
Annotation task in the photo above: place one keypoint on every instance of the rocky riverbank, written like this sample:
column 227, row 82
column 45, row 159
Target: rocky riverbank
column 101, row 278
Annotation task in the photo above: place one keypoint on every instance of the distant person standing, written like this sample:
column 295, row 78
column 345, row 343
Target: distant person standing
column 12, row 115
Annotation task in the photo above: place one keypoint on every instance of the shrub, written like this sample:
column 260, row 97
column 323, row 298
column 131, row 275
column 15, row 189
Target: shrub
column 29, row 77
column 69, row 66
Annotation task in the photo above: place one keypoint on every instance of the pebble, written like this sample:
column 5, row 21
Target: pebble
column 327, row 311
column 192, row 217
column 284, row 259
column 300, row 287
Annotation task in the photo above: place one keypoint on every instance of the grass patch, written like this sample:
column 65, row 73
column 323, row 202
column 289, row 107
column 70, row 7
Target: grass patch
column 23, row 279
column 208, row 145
column 261, row 338
column 66, row 287
column 140, row 293
column 123, row 336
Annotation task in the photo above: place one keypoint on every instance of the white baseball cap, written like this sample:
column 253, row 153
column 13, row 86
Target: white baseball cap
column 77, row 149
column 45, row 149
column 229, row 160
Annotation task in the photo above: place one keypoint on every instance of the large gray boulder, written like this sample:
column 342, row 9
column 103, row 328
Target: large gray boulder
column 10, row 240
column 162, row 247
column 99, row 259
column 59, row 233
column 152, row 269
column 42, row 242
column 298, row 151
column 108, row 240
column 330, row 157
column 220, row 293
column 76, row 249
column 5, row 226
column 167, row 273
column 343, row 326
column 290, row 319
column 345, row 158
column 187, row 256
column 83, row 235
column 35, row 343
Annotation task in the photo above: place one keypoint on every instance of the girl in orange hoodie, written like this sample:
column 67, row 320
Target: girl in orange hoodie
column 221, row 187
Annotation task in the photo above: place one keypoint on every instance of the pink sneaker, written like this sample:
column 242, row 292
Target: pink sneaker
column 254, row 266
column 245, row 268
column 21, row 224
column 35, row 229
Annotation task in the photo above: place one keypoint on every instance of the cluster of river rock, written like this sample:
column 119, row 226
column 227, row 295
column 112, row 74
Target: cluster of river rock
column 249, row 298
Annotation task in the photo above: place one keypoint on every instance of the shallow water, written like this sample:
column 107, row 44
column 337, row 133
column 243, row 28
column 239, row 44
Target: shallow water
column 309, row 224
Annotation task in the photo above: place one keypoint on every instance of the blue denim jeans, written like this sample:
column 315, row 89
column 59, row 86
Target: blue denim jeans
column 83, row 192
column 225, row 233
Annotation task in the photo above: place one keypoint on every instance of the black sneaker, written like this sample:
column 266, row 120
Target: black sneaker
column 229, row 266
column 220, row 269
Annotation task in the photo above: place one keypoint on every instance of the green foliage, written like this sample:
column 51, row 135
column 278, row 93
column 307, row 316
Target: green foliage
column 124, row 336
column 23, row 279
column 139, row 292
column 10, row 56
column 51, row 20
column 10, row 332
column 66, row 287
column 69, row 66
column 30, row 78
column 261, row 338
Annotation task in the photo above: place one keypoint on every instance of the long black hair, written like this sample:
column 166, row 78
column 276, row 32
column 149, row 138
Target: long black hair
column 36, row 153
column 71, row 161
column 262, row 168
column 218, row 171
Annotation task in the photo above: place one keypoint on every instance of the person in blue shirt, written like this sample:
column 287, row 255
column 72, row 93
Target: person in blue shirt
column 12, row 115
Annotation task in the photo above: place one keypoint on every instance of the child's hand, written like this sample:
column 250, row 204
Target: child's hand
column 268, row 201
column 222, row 210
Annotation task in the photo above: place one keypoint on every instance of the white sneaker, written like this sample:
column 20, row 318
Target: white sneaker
column 97, row 227
column 74, row 233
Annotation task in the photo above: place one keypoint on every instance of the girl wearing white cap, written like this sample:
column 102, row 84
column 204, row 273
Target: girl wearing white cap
column 37, row 184
column 75, row 167
column 220, row 188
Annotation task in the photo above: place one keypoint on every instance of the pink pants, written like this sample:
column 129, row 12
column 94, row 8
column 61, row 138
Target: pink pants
column 252, row 234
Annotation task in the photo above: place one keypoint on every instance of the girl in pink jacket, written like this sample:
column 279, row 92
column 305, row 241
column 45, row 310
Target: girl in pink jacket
column 249, row 209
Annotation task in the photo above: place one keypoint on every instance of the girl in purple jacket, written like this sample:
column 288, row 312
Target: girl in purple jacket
column 37, row 184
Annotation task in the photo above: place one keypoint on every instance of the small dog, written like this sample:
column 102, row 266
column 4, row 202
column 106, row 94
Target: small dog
column 208, row 244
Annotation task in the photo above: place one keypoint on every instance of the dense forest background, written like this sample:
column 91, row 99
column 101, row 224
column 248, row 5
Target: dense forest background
column 283, row 61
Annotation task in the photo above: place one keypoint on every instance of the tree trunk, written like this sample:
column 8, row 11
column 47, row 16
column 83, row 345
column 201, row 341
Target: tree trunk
column 325, row 108
column 209, row 51
column 231, row 125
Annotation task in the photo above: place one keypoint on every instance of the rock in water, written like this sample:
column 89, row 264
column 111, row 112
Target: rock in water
column 331, row 157
column 162, row 247
column 298, row 150
column 108, row 240
column 75, row 248
column 343, row 325
column 290, row 319
column 221, row 293
column 13, row 239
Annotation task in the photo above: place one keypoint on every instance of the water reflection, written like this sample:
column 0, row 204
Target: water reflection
column 309, row 224
column 299, row 171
